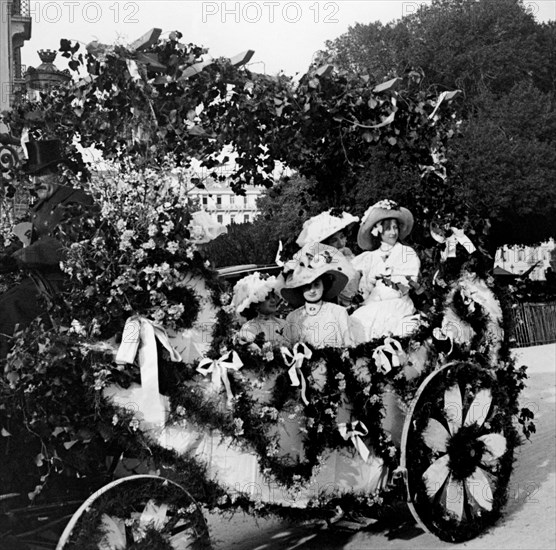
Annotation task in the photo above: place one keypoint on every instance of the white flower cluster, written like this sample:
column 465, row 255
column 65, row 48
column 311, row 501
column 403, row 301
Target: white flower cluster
column 385, row 204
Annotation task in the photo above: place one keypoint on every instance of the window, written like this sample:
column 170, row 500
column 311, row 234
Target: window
column 246, row 217
column 232, row 199
column 218, row 200
column 205, row 200
column 520, row 255
column 533, row 255
column 219, row 218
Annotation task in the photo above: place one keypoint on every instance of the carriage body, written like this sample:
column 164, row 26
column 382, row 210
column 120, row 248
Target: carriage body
column 427, row 419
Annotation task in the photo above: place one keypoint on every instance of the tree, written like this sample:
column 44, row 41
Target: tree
column 244, row 243
column 466, row 44
column 501, row 161
column 174, row 102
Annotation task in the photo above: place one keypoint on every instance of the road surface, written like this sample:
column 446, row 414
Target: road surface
column 530, row 515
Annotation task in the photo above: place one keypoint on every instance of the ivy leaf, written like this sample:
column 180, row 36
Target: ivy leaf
column 5, row 433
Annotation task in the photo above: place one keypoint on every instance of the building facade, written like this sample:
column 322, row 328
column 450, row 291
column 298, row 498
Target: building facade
column 15, row 29
column 518, row 259
column 225, row 206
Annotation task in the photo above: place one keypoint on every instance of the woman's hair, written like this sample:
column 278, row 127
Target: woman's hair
column 385, row 224
column 327, row 281
column 251, row 312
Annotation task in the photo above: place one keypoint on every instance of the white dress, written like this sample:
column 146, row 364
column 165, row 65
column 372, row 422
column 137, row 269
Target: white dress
column 386, row 310
column 328, row 328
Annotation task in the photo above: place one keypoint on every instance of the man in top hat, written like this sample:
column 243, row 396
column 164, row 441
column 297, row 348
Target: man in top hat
column 41, row 257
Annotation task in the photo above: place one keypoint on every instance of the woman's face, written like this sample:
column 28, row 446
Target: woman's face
column 313, row 291
column 390, row 232
column 269, row 305
column 337, row 240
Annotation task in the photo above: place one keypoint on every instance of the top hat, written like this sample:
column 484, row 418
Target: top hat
column 43, row 154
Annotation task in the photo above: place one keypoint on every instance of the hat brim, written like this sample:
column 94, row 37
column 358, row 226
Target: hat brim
column 403, row 215
column 36, row 168
column 292, row 290
column 326, row 232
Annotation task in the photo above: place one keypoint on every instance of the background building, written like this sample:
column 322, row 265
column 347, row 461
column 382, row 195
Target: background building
column 518, row 259
column 15, row 29
column 225, row 206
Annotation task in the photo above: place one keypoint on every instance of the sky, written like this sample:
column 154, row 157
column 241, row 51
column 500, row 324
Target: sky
column 284, row 34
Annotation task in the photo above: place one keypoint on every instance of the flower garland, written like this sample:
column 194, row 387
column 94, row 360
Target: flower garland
column 132, row 255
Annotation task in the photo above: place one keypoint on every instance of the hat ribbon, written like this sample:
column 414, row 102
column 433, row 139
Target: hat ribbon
column 354, row 430
column 139, row 340
column 380, row 357
column 294, row 361
column 218, row 369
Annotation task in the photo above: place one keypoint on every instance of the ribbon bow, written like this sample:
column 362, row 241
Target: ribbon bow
column 457, row 236
column 218, row 368
column 278, row 260
column 380, row 357
column 139, row 340
column 294, row 359
column 354, row 430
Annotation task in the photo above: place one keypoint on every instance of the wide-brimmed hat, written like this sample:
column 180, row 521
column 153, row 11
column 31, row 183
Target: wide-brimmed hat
column 311, row 262
column 319, row 228
column 383, row 210
column 43, row 154
column 253, row 289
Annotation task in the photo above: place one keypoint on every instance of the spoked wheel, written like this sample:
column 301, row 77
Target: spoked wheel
column 457, row 451
column 137, row 512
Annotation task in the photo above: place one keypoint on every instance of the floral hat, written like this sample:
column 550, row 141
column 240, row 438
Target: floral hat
column 318, row 228
column 383, row 210
column 253, row 289
column 310, row 263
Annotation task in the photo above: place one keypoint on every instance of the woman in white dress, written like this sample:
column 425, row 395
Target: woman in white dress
column 388, row 269
column 313, row 278
column 331, row 229
column 255, row 299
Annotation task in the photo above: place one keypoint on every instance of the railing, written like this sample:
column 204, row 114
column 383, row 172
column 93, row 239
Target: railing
column 535, row 324
column 21, row 7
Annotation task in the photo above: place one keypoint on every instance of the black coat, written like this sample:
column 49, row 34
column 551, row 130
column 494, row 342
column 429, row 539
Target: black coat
column 41, row 258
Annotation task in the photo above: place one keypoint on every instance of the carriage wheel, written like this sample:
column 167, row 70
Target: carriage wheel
column 457, row 451
column 140, row 511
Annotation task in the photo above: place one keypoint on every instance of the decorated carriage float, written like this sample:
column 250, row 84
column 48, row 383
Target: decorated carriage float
column 174, row 416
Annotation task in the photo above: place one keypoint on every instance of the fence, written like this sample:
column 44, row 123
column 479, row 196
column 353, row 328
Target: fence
column 535, row 324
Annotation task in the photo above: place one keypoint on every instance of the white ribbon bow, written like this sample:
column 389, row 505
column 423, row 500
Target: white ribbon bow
column 294, row 359
column 380, row 357
column 354, row 430
column 278, row 259
column 139, row 340
column 218, row 368
column 457, row 236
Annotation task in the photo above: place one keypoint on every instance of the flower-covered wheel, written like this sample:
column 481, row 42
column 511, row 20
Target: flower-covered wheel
column 457, row 450
column 137, row 512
